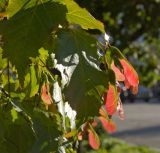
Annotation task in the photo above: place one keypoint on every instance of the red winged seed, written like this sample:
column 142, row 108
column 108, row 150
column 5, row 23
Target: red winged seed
column 131, row 76
column 119, row 75
column 111, row 100
column 108, row 125
column 45, row 95
column 93, row 138
column 120, row 110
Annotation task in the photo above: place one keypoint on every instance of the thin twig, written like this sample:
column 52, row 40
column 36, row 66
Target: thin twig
column 8, row 78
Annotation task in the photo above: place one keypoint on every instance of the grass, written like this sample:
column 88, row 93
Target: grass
column 112, row 145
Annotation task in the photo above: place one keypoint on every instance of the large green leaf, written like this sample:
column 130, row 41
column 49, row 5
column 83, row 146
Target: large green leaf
column 77, row 57
column 16, row 134
column 46, row 131
column 27, row 31
column 80, row 16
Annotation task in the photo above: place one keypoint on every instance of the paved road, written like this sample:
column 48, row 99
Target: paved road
column 141, row 125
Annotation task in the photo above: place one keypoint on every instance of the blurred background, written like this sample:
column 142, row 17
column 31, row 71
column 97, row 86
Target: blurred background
column 134, row 27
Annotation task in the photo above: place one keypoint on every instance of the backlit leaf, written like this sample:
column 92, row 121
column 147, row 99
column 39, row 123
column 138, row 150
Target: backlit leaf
column 81, row 16
column 70, row 134
column 14, row 115
column 14, row 6
column 34, row 83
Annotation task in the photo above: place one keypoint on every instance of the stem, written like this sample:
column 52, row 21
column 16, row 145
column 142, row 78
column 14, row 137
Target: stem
column 9, row 89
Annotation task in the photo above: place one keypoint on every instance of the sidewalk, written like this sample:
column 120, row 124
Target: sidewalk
column 141, row 125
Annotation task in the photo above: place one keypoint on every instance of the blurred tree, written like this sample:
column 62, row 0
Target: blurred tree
column 3, row 4
column 134, row 26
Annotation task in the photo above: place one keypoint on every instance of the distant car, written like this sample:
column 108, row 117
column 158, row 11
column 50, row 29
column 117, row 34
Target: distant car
column 143, row 93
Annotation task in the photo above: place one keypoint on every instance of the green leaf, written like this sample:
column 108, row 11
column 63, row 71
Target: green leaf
column 3, row 4
column 14, row 6
column 34, row 84
column 21, row 96
column 27, row 31
column 43, row 55
column 27, row 80
column 81, row 16
column 14, row 114
column 41, row 62
column 3, row 61
column 47, row 132
column 18, row 136
column 116, row 53
column 76, row 51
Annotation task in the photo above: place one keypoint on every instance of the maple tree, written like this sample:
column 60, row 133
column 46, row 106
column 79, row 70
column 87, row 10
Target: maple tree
column 56, row 79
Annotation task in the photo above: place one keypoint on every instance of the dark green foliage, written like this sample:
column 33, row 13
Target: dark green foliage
column 76, row 50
